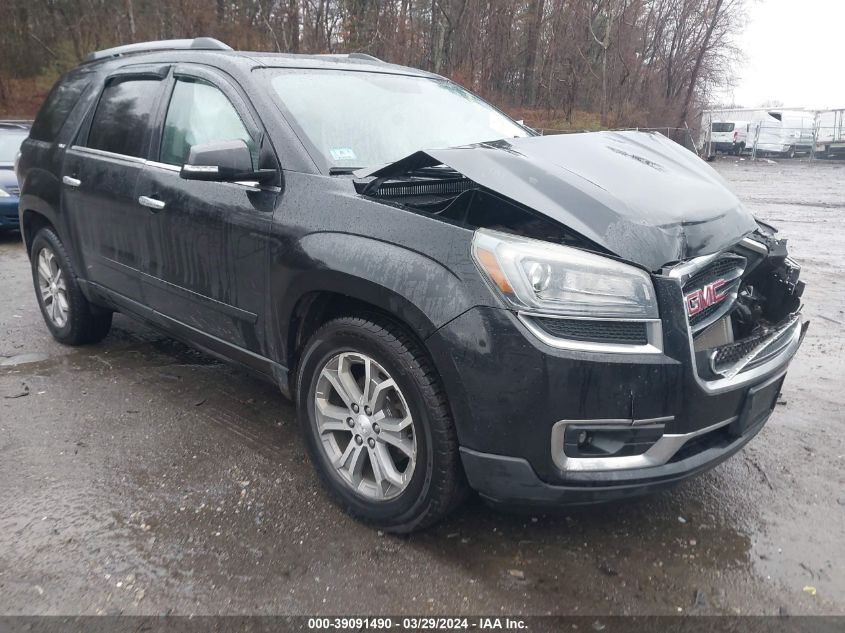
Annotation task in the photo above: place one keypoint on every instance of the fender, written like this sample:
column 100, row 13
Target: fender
column 46, row 204
column 413, row 287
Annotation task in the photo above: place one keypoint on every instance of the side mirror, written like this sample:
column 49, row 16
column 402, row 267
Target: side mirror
column 223, row 161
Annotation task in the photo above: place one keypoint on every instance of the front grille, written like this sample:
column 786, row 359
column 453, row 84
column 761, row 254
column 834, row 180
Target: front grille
column 729, row 267
column 773, row 340
column 13, row 189
column 734, row 352
column 720, row 268
column 618, row 332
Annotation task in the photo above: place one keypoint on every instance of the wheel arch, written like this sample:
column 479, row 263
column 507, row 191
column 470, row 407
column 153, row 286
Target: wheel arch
column 342, row 274
column 33, row 221
column 316, row 307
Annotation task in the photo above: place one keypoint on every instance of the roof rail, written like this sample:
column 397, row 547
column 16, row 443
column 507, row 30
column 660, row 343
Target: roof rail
column 364, row 57
column 198, row 43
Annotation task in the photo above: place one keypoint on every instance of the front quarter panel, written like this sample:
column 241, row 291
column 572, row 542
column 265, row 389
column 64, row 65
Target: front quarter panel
column 327, row 238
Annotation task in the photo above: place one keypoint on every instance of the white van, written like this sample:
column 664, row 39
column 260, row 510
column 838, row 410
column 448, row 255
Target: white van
column 728, row 136
column 782, row 133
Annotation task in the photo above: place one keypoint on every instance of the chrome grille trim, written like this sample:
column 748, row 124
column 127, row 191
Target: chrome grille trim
column 654, row 334
column 761, row 365
column 769, row 346
column 733, row 277
column 658, row 454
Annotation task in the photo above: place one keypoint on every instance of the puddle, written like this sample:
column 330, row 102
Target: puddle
column 23, row 359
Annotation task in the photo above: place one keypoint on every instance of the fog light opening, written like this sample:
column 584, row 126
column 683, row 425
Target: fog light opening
column 610, row 440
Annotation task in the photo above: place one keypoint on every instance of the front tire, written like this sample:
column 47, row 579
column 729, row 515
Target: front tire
column 377, row 424
column 69, row 316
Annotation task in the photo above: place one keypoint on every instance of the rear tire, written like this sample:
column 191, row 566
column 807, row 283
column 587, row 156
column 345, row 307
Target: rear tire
column 69, row 316
column 344, row 361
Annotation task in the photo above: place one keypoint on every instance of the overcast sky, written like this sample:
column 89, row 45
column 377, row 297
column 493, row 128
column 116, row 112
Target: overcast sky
column 794, row 52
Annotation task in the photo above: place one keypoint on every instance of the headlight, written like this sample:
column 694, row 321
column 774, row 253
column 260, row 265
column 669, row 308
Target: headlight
column 4, row 193
column 544, row 277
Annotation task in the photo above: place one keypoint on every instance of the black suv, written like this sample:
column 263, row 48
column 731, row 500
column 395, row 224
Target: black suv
column 452, row 301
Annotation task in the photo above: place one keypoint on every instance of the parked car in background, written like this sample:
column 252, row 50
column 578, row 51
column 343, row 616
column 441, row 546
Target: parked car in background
column 728, row 137
column 450, row 299
column 12, row 134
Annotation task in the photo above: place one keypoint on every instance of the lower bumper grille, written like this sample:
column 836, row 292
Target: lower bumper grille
column 730, row 360
column 624, row 332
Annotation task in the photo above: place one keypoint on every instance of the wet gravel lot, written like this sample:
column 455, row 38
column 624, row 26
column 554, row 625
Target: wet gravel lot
column 138, row 476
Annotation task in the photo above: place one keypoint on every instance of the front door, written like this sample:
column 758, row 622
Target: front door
column 208, row 239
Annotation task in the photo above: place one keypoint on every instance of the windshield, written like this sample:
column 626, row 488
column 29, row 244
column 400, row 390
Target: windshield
column 363, row 119
column 723, row 127
column 10, row 143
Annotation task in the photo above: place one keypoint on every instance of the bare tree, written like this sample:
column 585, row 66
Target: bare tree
column 619, row 62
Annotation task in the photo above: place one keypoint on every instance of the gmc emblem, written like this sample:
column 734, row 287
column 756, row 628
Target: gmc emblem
column 705, row 297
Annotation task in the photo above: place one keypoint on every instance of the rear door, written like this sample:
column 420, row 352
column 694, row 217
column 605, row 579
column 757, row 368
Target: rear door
column 100, row 174
column 208, row 239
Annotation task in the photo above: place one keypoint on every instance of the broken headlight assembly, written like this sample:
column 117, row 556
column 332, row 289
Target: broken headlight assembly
column 545, row 278
column 570, row 298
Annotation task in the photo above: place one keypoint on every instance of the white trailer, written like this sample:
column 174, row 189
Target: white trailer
column 830, row 133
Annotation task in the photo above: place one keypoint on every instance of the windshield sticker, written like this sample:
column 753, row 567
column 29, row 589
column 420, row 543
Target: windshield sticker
column 342, row 153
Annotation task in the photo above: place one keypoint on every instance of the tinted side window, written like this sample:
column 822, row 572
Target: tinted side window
column 199, row 113
column 121, row 121
column 58, row 106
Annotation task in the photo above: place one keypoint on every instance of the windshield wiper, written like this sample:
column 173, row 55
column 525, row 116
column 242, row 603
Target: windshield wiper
column 342, row 171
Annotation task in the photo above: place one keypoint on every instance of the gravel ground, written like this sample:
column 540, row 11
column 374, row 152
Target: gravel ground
column 141, row 477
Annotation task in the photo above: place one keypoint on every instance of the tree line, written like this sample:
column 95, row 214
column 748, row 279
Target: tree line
column 570, row 62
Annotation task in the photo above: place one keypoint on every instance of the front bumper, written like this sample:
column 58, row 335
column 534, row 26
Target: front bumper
column 720, row 146
column 9, row 212
column 514, row 396
column 511, row 481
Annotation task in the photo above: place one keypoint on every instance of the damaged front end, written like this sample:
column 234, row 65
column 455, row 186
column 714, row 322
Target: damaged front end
column 650, row 316
column 633, row 196
column 743, row 307
column 443, row 192
column 639, row 198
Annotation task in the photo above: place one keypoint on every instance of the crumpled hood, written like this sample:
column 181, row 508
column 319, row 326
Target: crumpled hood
column 639, row 195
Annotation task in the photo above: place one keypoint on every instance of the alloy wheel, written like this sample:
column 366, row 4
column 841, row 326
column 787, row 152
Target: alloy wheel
column 365, row 426
column 52, row 287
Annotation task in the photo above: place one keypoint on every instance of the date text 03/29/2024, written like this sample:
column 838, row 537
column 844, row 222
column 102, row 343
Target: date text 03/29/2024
column 417, row 623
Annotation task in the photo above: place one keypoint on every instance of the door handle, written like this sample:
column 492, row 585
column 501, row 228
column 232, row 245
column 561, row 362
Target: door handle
column 71, row 182
column 151, row 203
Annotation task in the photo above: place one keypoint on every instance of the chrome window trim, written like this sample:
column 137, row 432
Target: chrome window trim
column 654, row 335
column 659, row 454
column 105, row 154
column 166, row 166
column 244, row 184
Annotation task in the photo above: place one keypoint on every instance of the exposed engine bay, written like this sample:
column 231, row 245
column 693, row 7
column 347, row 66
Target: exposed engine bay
column 441, row 191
